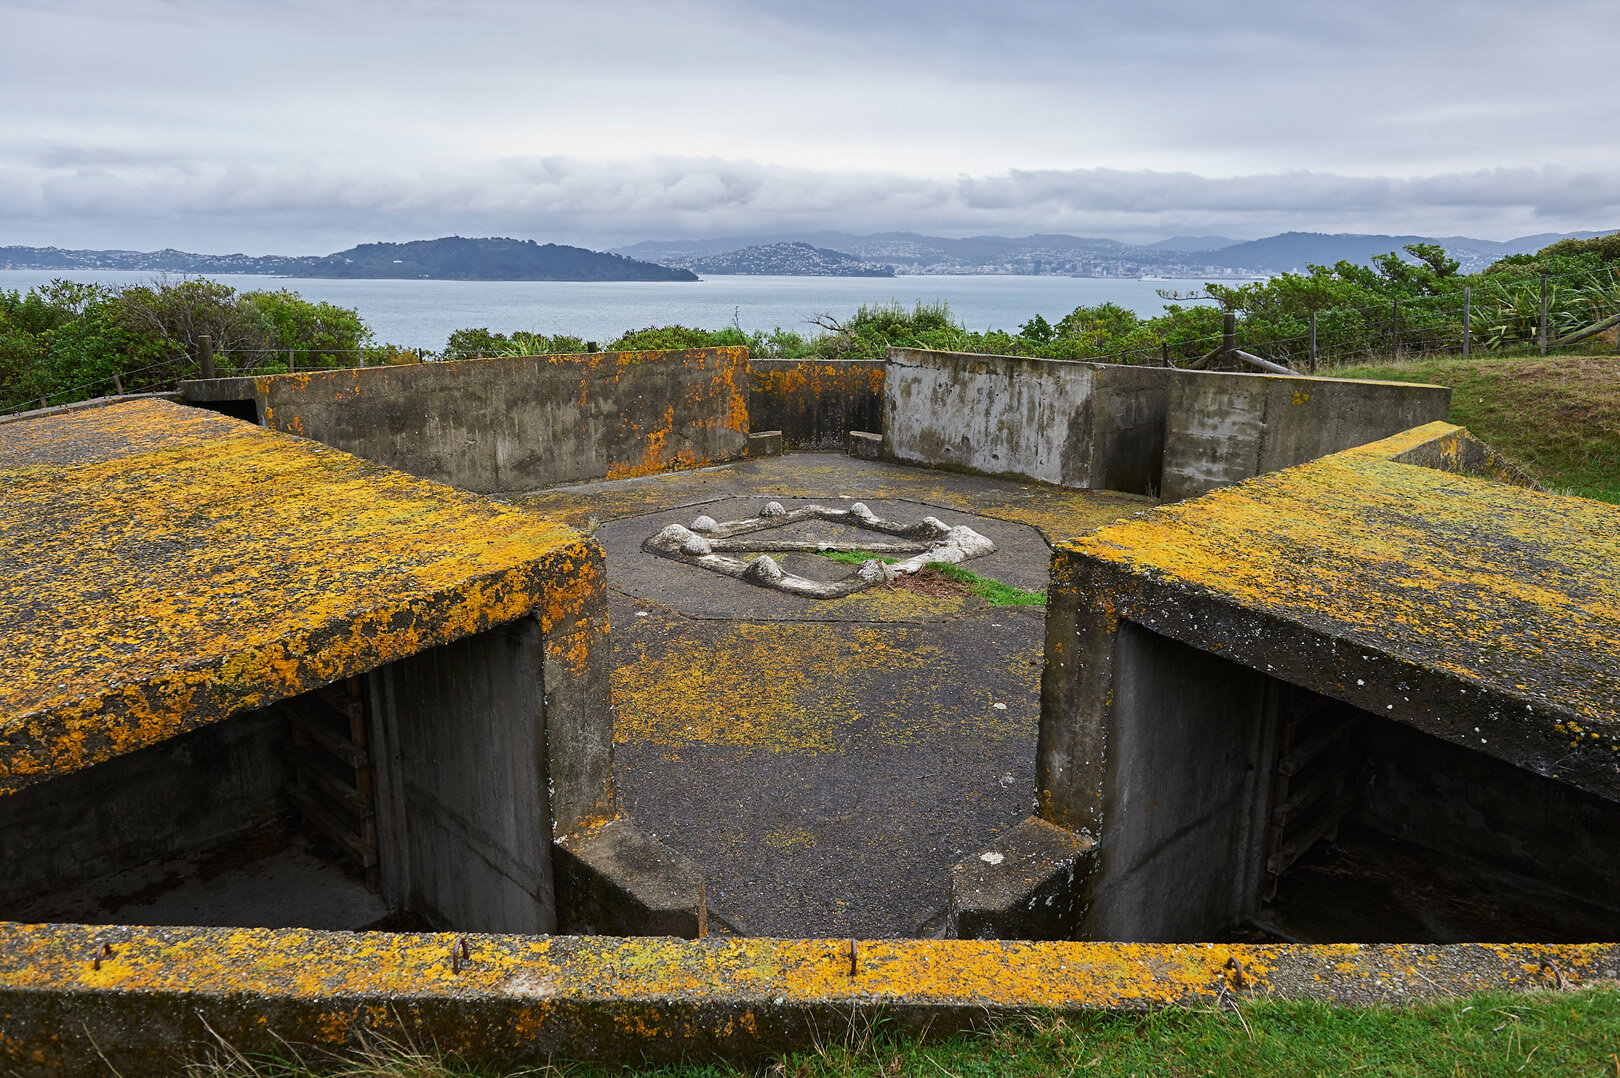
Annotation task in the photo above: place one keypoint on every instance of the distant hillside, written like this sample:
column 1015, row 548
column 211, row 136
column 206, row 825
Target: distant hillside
column 1295, row 250
column 782, row 259
column 1192, row 243
column 1081, row 256
column 451, row 258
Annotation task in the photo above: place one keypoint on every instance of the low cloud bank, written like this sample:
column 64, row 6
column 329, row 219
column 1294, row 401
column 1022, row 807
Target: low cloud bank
column 75, row 197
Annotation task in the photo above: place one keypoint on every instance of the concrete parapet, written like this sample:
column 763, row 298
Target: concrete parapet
column 1398, row 598
column 522, row 422
column 1023, row 887
column 1088, row 425
column 615, row 879
column 75, row 998
column 1143, row 430
column 1222, row 428
column 816, row 402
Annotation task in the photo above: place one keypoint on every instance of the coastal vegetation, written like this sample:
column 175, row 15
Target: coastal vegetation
column 69, row 341
column 1401, row 318
column 1543, row 1033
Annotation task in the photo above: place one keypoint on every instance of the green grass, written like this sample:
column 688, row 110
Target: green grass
column 1558, row 417
column 993, row 592
column 1539, row 1033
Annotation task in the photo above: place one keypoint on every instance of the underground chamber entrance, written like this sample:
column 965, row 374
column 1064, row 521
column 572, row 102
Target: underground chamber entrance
column 412, row 797
column 1379, row 832
column 240, row 823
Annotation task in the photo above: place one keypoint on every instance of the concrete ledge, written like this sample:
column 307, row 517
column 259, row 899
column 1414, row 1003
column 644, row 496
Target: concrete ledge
column 162, row 992
column 1451, row 449
column 865, row 446
column 764, row 443
column 614, row 878
column 1023, row 887
column 80, row 406
column 207, row 390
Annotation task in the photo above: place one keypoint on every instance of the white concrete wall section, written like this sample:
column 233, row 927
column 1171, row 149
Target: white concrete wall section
column 995, row 414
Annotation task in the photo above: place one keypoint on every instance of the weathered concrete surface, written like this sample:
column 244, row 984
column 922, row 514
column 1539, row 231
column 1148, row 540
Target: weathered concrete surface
column 459, row 741
column 527, row 421
column 815, row 403
column 1478, row 612
column 824, row 763
column 1222, row 428
column 161, row 995
column 166, row 567
column 1087, row 425
column 1023, row 887
column 615, row 880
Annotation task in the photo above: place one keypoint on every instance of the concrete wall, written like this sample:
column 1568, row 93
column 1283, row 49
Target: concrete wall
column 463, row 825
column 1221, row 428
column 523, row 422
column 1145, row 430
column 199, row 787
column 1189, row 751
column 815, row 403
column 1073, row 424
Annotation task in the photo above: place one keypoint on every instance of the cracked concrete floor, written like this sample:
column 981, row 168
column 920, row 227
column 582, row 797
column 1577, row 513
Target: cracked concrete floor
column 825, row 762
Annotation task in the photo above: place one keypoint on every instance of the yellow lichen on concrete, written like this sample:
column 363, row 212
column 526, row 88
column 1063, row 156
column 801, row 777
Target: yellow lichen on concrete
column 411, row 968
column 1511, row 588
column 174, row 580
column 792, row 687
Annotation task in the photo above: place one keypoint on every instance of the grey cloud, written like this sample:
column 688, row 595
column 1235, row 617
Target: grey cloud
column 287, row 208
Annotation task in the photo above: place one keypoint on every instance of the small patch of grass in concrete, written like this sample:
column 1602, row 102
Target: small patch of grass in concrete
column 993, row 592
column 1495, row 1034
column 1559, row 417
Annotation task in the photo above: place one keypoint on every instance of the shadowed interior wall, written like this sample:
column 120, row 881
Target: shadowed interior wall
column 463, row 825
column 815, row 403
column 1179, row 830
column 1221, row 428
column 1448, row 798
column 196, row 788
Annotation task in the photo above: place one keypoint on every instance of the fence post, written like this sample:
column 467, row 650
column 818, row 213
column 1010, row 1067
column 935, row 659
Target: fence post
column 1313, row 341
column 1395, row 328
column 1468, row 312
column 1541, row 330
column 1228, row 333
column 118, row 384
column 1164, row 352
column 292, row 361
column 205, row 359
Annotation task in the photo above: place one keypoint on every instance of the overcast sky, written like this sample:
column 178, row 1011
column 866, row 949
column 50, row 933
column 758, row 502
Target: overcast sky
column 306, row 126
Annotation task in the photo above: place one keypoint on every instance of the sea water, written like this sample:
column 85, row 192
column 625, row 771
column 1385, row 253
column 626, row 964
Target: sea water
column 423, row 314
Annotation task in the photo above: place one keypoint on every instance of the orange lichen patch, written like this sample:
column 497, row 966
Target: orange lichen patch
column 798, row 687
column 1512, row 589
column 148, row 591
column 377, row 967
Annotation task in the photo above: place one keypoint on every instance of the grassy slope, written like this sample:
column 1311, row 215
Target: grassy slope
column 1559, row 417
column 1542, row 1033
